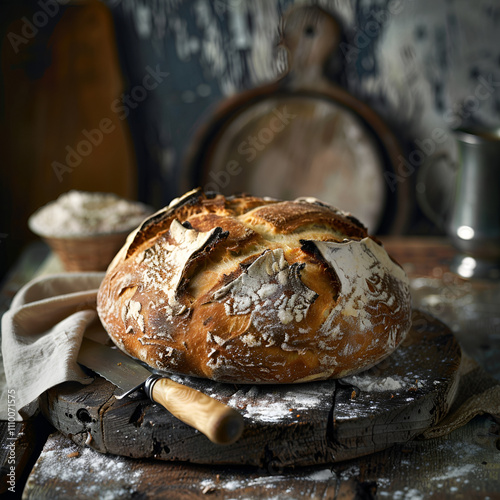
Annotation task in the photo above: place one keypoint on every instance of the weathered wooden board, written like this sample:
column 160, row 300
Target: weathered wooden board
column 420, row 469
column 422, row 380
column 285, row 425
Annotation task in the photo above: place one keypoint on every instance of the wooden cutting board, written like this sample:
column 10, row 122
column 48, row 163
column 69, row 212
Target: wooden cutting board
column 285, row 425
column 304, row 135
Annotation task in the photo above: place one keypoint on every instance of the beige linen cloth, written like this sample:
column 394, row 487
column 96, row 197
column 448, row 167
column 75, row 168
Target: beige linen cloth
column 42, row 333
column 41, row 337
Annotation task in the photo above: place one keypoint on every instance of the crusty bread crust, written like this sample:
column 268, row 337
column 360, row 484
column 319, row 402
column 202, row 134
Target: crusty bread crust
column 250, row 290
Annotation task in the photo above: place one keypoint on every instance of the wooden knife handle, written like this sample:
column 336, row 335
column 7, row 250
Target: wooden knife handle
column 220, row 423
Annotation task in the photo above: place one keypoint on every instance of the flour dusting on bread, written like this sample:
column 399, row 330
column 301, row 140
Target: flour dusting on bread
column 252, row 290
column 269, row 283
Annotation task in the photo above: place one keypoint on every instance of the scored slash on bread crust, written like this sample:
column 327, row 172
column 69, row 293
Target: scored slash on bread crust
column 254, row 290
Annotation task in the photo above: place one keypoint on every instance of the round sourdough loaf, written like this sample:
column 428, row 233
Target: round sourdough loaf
column 251, row 290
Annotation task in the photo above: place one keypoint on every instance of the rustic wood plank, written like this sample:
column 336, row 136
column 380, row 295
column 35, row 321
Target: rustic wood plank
column 14, row 454
column 21, row 443
column 464, row 464
column 66, row 470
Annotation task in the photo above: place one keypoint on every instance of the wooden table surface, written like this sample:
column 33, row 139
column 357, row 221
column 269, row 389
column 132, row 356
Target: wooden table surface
column 463, row 464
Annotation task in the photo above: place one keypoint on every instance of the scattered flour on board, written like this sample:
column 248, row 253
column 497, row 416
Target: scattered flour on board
column 85, row 463
column 272, row 407
column 351, row 471
column 406, row 494
column 320, row 475
column 455, row 472
column 268, row 482
column 375, row 384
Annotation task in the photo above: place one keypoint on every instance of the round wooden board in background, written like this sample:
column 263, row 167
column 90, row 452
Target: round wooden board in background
column 285, row 425
column 304, row 135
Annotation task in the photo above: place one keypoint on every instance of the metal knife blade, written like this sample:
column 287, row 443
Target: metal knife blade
column 220, row 423
column 112, row 364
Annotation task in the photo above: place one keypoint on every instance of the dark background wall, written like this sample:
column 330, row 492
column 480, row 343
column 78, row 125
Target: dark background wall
column 422, row 66
column 419, row 64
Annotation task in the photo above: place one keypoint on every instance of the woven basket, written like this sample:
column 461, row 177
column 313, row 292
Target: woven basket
column 93, row 253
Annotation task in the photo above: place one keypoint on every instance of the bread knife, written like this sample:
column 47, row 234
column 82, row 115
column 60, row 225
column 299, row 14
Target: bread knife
column 220, row 423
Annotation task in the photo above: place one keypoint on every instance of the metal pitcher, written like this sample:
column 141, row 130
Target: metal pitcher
column 472, row 215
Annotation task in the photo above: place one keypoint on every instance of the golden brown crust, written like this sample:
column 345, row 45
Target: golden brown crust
column 252, row 290
column 286, row 217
